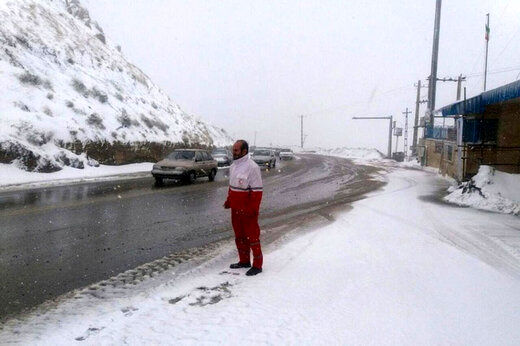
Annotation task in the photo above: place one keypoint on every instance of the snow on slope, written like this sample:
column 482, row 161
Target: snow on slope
column 63, row 81
column 489, row 190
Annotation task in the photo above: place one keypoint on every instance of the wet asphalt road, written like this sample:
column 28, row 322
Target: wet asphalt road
column 53, row 240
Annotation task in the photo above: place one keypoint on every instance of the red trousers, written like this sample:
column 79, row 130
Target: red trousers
column 247, row 237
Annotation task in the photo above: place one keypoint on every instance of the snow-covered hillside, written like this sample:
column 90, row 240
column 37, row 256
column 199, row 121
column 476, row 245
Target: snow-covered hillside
column 65, row 86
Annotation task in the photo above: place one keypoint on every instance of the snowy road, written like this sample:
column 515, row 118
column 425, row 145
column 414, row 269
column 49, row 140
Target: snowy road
column 492, row 238
column 398, row 268
column 57, row 239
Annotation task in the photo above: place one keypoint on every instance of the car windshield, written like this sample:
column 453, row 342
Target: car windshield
column 261, row 153
column 181, row 155
column 286, row 151
column 219, row 152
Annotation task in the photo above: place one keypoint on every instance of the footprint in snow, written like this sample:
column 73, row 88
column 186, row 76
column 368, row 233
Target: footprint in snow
column 227, row 272
column 212, row 295
column 129, row 310
column 203, row 295
column 88, row 333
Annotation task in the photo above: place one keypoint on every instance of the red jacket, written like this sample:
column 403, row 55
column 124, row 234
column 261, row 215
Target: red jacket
column 245, row 186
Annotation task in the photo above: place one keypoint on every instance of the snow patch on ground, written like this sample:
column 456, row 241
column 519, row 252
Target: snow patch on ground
column 490, row 190
column 411, row 163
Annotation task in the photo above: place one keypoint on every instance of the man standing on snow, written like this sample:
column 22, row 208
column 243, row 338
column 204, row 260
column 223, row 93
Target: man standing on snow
column 244, row 197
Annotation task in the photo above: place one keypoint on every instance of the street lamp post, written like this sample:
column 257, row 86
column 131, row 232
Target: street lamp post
column 389, row 155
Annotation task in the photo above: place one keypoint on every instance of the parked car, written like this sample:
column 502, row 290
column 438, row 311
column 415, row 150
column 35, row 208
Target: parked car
column 286, row 154
column 398, row 156
column 185, row 164
column 264, row 157
column 223, row 156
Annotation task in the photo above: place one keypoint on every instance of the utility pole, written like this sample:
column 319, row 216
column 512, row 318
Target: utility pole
column 254, row 142
column 459, row 80
column 406, row 132
column 389, row 155
column 398, row 132
column 487, row 44
column 435, row 55
column 390, row 138
column 459, row 84
column 301, row 131
column 396, row 136
column 416, row 121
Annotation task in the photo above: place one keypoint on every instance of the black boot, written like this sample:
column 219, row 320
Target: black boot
column 253, row 271
column 240, row 265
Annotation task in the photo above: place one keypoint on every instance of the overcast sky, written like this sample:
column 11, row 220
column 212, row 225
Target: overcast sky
column 252, row 66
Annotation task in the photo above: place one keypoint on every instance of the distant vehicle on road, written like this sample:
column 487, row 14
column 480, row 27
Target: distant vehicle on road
column 286, row 154
column 264, row 157
column 223, row 156
column 185, row 164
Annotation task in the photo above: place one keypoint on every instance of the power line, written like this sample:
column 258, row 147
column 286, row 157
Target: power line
column 495, row 59
column 349, row 105
column 503, row 70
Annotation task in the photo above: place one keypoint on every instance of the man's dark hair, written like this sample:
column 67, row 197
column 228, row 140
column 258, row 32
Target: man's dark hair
column 243, row 145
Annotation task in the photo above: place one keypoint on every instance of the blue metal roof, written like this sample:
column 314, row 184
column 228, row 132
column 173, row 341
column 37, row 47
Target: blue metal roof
column 477, row 104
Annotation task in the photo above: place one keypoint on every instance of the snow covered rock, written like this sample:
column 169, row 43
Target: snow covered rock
column 68, row 90
column 489, row 190
column 92, row 163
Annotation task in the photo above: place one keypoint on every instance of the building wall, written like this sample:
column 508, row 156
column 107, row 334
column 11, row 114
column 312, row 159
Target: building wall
column 505, row 154
column 441, row 154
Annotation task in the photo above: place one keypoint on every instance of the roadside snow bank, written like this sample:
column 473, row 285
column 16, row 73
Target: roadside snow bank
column 353, row 153
column 489, row 190
column 12, row 177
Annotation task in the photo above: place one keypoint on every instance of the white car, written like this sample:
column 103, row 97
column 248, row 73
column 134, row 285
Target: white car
column 223, row 157
column 185, row 164
column 286, row 154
